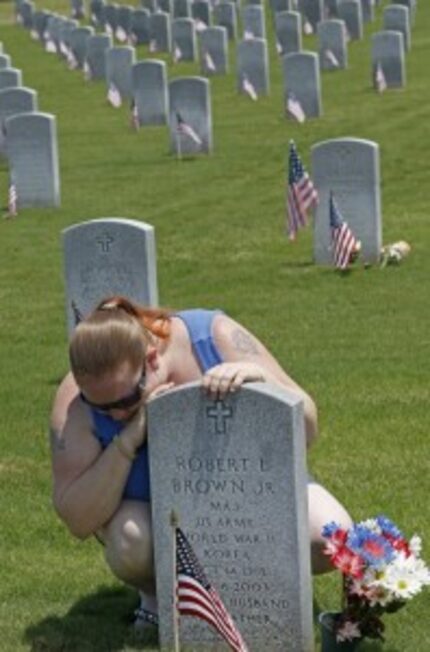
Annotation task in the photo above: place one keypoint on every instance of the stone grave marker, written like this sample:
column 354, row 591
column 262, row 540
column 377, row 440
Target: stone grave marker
column 388, row 51
column 27, row 12
column 108, row 256
column 111, row 18
column 149, row 88
column 350, row 168
column 97, row 11
column 160, row 32
column 13, row 101
column 77, row 9
column 331, row 8
column 313, row 11
column 118, row 69
column 396, row 18
column 368, row 10
column 288, row 28
column 412, row 6
column 201, row 12
column 213, row 44
column 350, row 12
column 281, row 5
column 123, row 27
column 253, row 65
column 5, row 61
column 40, row 23
column 140, row 26
column 302, row 80
column 97, row 46
column 65, row 27
column 333, row 46
column 253, row 22
column 78, row 43
column 190, row 102
column 32, row 148
column 181, row 8
column 225, row 15
column 234, row 472
column 166, row 6
column 184, row 46
column 151, row 5
column 10, row 78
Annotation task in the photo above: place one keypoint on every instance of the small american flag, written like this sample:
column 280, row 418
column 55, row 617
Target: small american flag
column 109, row 29
column 294, row 108
column 307, row 28
column 278, row 47
column 196, row 596
column 209, row 62
column 249, row 89
column 34, row 34
column 121, row 34
column 301, row 195
column 331, row 58
column 72, row 61
column 12, row 200
column 153, row 45
column 134, row 116
column 380, row 81
column 177, row 53
column 248, row 35
column 114, row 96
column 200, row 25
column 87, row 71
column 184, row 129
column 50, row 46
column 343, row 240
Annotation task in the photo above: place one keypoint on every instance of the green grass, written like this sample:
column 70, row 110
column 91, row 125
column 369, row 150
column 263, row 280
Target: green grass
column 358, row 342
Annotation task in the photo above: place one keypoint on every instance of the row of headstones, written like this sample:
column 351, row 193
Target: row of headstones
column 28, row 140
column 229, row 503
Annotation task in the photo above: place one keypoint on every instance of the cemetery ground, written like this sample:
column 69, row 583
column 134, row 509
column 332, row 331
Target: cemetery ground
column 358, row 342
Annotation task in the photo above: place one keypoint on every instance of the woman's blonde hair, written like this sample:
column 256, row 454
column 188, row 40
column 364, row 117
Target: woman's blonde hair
column 117, row 331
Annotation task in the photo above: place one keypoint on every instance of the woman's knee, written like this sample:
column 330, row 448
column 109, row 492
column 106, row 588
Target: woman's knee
column 128, row 543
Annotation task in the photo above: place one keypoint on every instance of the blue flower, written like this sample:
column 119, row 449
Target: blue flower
column 388, row 526
column 329, row 529
column 372, row 547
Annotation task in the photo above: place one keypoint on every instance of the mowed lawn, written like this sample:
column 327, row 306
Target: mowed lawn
column 358, row 342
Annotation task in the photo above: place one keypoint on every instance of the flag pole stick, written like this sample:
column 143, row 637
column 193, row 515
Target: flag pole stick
column 178, row 144
column 174, row 522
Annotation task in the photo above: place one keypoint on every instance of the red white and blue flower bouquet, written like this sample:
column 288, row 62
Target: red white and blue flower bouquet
column 381, row 571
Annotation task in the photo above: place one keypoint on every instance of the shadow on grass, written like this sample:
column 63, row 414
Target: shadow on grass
column 99, row 622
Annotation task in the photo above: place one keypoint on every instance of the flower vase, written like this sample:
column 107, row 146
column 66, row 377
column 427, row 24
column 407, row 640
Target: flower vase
column 328, row 636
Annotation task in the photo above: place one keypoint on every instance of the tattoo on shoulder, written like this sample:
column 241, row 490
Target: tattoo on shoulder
column 243, row 342
column 57, row 443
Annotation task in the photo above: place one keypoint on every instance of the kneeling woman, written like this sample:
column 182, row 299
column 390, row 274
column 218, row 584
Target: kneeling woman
column 121, row 356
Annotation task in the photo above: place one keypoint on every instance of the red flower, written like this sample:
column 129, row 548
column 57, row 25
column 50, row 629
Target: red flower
column 348, row 562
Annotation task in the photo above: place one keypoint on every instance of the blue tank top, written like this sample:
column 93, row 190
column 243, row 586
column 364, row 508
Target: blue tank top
column 199, row 325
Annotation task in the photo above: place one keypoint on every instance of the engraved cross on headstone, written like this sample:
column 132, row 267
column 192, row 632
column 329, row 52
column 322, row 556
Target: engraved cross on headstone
column 104, row 241
column 220, row 412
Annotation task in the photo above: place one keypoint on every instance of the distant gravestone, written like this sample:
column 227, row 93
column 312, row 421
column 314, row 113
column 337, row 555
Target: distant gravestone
column 236, row 478
column 118, row 69
column 108, row 256
column 302, row 80
column 149, row 88
column 368, row 10
column 31, row 141
column 331, row 8
column 388, row 51
column 333, row 47
column 40, row 23
column 97, row 10
column 181, row 8
column 396, row 18
column 166, row 6
column 184, row 46
column 189, row 100
column 253, row 22
column 97, row 46
column 350, row 12
column 78, row 43
column 77, row 9
column 313, row 10
column 288, row 27
column 350, row 168
column 253, row 66
column 160, row 33
column 201, row 11
column 111, row 18
column 10, row 78
column 411, row 5
column 225, row 15
column 140, row 27
column 214, row 51
column 281, row 5
column 65, row 28
column 123, row 27
column 27, row 11
column 151, row 5
column 13, row 101
column 4, row 61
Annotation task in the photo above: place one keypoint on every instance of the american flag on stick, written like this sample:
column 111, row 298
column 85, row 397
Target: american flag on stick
column 295, row 109
column 307, row 28
column 12, row 201
column 344, row 242
column 114, row 96
column 177, row 53
column 249, row 89
column 196, row 597
column 331, row 58
column 134, row 116
column 209, row 62
column 153, row 45
column 380, row 81
column 301, row 194
column 121, row 34
column 184, row 129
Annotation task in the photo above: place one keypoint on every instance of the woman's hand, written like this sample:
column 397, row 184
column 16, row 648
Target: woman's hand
column 229, row 376
column 135, row 430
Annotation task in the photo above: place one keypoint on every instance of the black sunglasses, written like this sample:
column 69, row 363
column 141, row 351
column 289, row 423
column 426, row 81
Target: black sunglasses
column 122, row 403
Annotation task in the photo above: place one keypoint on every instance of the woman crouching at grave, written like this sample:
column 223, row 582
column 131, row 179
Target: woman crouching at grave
column 121, row 356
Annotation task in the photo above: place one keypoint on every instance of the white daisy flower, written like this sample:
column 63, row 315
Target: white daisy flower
column 415, row 545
